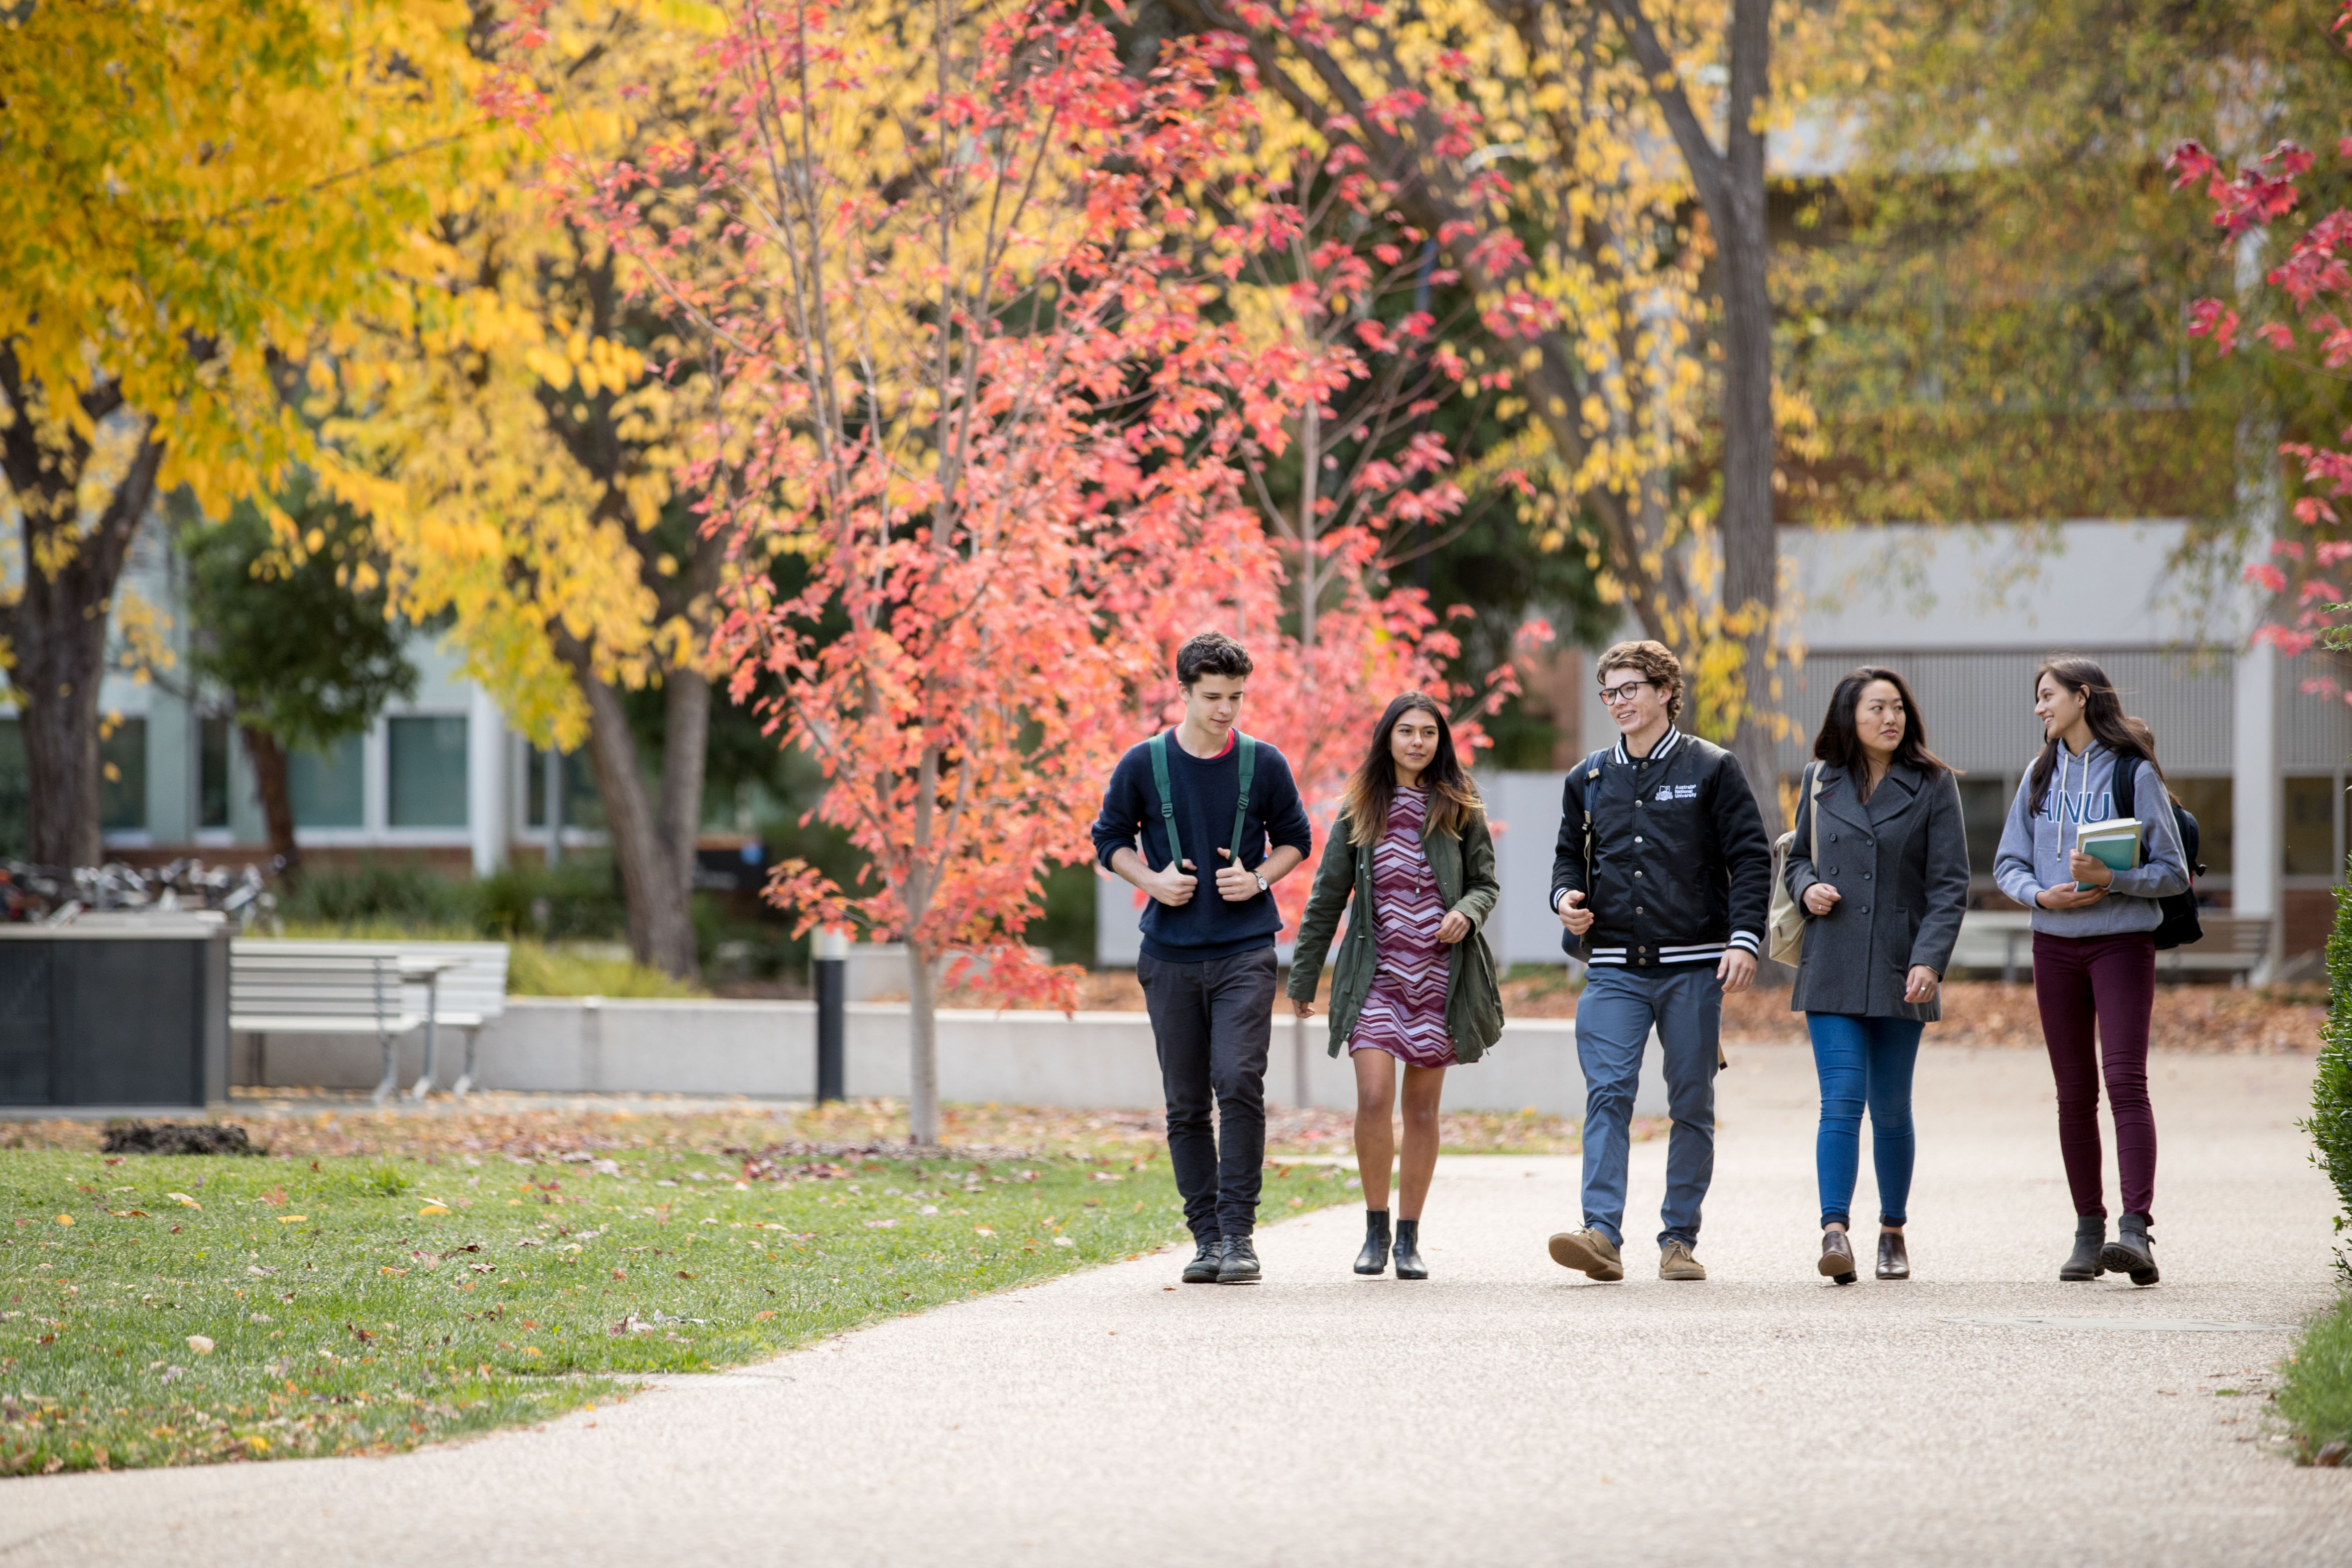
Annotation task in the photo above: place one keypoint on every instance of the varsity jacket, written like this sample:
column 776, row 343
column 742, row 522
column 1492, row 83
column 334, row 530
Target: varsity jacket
column 1681, row 868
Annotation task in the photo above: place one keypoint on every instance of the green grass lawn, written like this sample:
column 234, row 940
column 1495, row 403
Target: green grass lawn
column 158, row 1310
column 2315, row 1393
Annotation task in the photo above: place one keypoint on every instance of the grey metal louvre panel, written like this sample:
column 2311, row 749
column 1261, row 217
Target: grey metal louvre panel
column 2315, row 727
column 1978, row 707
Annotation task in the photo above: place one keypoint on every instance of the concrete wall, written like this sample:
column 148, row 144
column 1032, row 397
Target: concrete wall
column 768, row 1050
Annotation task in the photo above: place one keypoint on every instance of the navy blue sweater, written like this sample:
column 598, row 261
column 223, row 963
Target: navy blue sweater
column 1206, row 792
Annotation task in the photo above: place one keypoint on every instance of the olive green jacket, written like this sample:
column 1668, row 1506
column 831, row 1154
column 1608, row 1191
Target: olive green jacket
column 1464, row 867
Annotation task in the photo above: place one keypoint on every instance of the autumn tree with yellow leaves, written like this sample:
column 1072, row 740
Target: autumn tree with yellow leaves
column 198, row 199
column 530, row 431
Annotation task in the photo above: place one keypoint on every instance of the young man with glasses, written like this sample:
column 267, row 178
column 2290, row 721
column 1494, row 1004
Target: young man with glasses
column 1662, row 877
column 1206, row 820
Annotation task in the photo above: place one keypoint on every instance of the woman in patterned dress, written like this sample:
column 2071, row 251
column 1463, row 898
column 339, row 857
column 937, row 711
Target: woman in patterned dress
column 1414, row 986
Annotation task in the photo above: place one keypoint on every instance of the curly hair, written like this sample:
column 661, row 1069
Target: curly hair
column 1654, row 662
column 1211, row 653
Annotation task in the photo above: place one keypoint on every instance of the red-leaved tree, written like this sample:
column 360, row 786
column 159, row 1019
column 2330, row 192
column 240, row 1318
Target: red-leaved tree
column 971, row 391
column 2308, row 319
column 987, row 414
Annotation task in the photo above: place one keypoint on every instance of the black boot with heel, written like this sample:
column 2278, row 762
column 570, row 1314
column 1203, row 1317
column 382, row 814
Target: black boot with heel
column 1374, row 1258
column 2090, row 1238
column 1408, row 1250
column 2130, row 1252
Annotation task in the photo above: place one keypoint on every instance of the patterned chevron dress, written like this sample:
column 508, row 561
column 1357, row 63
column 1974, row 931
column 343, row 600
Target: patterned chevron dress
column 1404, row 1011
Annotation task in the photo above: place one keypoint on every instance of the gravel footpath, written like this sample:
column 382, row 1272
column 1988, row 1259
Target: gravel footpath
column 1503, row 1412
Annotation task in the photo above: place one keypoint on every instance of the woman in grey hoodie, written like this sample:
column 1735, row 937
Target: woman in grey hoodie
column 2093, row 944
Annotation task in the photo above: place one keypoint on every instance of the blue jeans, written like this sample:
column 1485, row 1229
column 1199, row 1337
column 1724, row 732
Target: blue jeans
column 1865, row 1060
column 1613, row 1019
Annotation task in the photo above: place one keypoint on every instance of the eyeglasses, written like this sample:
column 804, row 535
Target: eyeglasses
column 1622, row 692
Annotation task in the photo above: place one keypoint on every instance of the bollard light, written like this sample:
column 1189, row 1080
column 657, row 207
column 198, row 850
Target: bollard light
column 831, row 983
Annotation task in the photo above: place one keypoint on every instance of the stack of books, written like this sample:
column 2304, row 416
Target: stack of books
column 2115, row 842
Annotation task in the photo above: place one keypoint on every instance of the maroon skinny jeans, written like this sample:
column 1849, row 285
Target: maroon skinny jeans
column 2106, row 984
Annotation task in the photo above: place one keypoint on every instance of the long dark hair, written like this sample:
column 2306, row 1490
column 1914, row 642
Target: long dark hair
column 2110, row 725
column 1452, row 798
column 1840, row 742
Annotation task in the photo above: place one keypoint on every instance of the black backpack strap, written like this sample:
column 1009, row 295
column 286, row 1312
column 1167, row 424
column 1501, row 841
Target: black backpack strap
column 1158, row 748
column 2126, row 801
column 1591, row 769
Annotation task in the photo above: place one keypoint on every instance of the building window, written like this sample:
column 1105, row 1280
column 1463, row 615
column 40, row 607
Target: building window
column 1984, row 811
column 2208, row 800
column 2307, row 844
column 212, row 773
column 583, row 807
column 429, row 772
column 123, row 777
column 328, row 788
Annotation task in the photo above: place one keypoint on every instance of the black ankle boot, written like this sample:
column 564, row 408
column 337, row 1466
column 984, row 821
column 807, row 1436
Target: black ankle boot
column 2129, row 1252
column 1408, row 1250
column 1374, row 1258
column 2084, row 1262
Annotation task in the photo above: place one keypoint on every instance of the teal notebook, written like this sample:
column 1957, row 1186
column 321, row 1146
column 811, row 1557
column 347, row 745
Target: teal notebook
column 2114, row 843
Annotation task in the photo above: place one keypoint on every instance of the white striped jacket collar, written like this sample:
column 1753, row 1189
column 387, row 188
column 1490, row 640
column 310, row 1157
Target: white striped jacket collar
column 1662, row 750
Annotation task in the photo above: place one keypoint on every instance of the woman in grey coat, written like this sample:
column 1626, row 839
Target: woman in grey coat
column 1879, row 864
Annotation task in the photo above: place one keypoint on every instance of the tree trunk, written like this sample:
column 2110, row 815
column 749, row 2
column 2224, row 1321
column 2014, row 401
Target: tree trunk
column 1730, row 186
column 268, row 760
column 923, row 1049
column 654, row 884
column 60, row 649
column 1751, row 545
column 686, row 744
column 55, row 628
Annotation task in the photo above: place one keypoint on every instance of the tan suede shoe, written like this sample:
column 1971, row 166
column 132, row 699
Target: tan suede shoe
column 1589, row 1252
column 1676, row 1262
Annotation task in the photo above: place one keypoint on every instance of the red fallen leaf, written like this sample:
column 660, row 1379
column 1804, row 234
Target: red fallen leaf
column 686, row 1273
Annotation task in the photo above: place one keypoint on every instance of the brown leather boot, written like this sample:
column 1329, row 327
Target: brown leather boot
column 1894, row 1262
column 1837, row 1257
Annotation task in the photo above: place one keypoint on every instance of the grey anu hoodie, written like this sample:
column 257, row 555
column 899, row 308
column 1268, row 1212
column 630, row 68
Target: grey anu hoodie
column 2039, row 836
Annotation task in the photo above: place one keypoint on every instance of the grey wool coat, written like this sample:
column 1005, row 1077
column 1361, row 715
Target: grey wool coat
column 1900, row 864
column 1463, row 866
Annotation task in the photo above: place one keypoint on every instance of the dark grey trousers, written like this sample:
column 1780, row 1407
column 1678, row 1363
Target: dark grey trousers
column 1212, row 1023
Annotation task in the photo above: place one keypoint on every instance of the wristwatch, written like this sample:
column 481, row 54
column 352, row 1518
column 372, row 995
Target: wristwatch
column 1263, row 885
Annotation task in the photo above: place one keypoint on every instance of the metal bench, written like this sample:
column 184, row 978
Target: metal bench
column 322, row 988
column 1995, row 938
column 466, row 989
column 2233, row 944
column 2003, row 940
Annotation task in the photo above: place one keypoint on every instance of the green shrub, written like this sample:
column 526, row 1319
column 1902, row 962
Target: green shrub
column 577, row 899
column 2331, row 1093
column 378, row 891
column 2315, row 1397
column 536, row 968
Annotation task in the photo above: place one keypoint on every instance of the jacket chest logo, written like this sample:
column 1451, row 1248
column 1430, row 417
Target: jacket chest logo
column 1677, row 792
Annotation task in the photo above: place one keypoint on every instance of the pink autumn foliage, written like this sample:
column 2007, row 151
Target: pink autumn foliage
column 2314, row 283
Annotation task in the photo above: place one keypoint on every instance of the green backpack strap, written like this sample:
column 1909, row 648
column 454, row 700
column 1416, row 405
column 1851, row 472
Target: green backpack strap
column 1159, row 747
column 1241, row 806
column 1167, row 799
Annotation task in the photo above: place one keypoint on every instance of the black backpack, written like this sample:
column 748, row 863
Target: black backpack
column 2176, row 924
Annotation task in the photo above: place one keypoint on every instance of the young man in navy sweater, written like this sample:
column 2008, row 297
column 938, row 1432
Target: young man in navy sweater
column 1207, row 966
